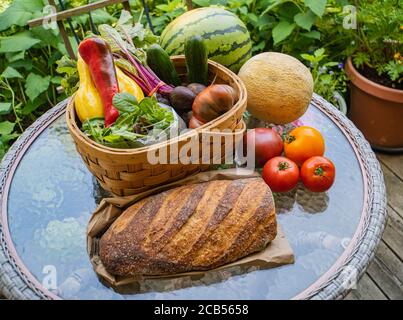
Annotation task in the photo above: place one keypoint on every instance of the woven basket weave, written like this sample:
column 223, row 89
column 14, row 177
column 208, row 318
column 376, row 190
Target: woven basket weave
column 128, row 171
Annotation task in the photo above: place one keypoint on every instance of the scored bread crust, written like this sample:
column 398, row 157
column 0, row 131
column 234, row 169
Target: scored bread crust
column 193, row 227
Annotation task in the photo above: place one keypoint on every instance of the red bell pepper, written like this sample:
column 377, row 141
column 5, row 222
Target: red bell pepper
column 98, row 56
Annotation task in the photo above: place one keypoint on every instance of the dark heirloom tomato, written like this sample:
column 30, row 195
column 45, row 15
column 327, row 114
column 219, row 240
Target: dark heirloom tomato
column 268, row 144
column 281, row 174
column 317, row 174
column 213, row 101
column 194, row 123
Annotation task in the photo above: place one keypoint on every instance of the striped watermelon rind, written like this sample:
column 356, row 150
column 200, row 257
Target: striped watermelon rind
column 226, row 37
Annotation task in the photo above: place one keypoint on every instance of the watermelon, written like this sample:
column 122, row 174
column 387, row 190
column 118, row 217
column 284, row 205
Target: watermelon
column 226, row 37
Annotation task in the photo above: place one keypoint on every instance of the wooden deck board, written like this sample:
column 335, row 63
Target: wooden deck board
column 385, row 280
column 366, row 290
column 386, row 271
column 394, row 189
column 393, row 162
column 393, row 234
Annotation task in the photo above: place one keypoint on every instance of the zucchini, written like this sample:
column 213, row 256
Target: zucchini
column 158, row 60
column 196, row 60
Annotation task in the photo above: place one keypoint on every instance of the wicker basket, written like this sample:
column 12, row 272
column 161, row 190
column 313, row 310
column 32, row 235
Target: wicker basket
column 127, row 171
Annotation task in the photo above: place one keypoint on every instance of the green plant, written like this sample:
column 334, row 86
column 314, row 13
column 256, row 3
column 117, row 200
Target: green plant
column 379, row 38
column 329, row 77
column 28, row 69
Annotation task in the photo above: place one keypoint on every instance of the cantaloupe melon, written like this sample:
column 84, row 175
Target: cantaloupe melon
column 279, row 87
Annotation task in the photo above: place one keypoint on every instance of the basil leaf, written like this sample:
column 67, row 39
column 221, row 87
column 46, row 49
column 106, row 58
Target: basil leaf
column 125, row 102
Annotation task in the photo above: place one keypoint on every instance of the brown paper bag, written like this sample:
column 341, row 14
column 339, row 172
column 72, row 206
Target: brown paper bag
column 277, row 253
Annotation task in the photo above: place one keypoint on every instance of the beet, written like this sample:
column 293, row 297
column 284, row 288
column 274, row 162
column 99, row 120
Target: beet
column 182, row 98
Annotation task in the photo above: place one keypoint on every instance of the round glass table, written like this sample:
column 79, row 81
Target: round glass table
column 47, row 196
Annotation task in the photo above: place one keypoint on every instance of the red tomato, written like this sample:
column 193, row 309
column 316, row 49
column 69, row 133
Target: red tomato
column 281, row 174
column 268, row 144
column 318, row 173
column 302, row 143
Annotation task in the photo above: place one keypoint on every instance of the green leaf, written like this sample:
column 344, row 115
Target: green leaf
column 12, row 56
column 319, row 52
column 66, row 65
column 5, row 108
column 101, row 16
column 8, row 137
column 35, row 85
column 26, row 64
column 305, row 19
column 10, row 72
column 47, row 37
column 272, row 5
column 394, row 70
column 312, row 34
column 308, row 57
column 125, row 102
column 259, row 47
column 281, row 31
column 56, row 80
column 331, row 64
column 19, row 12
column 317, row 6
column 18, row 42
column 31, row 106
column 253, row 18
column 287, row 10
column 6, row 127
column 360, row 59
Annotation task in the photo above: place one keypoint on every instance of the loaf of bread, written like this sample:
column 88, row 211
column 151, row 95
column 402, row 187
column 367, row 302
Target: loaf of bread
column 193, row 227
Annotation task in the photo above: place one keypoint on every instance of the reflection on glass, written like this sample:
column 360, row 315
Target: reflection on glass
column 52, row 196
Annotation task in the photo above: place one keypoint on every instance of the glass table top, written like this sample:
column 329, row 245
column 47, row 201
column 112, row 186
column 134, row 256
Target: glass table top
column 52, row 195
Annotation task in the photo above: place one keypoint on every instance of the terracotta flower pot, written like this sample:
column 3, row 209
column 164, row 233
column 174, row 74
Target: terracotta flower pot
column 377, row 111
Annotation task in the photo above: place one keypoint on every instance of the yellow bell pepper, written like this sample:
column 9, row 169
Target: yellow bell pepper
column 87, row 101
column 126, row 84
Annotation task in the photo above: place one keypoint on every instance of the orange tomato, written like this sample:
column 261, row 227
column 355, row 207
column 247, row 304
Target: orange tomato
column 303, row 143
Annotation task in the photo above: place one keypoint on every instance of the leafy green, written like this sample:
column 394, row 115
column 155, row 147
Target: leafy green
column 136, row 124
column 35, row 85
column 5, row 108
column 379, row 42
column 18, row 42
column 70, row 81
column 394, row 70
column 305, row 19
column 282, row 31
column 125, row 102
column 10, row 72
column 140, row 36
column 6, row 127
column 31, row 106
column 12, row 56
column 317, row 6
column 19, row 12
column 329, row 77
